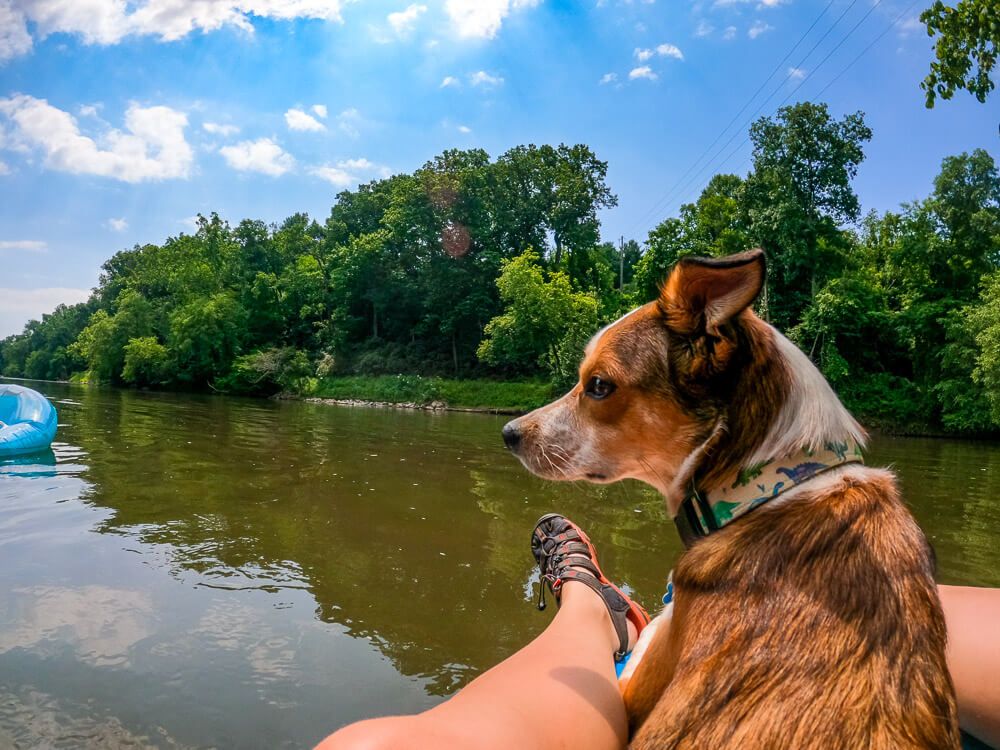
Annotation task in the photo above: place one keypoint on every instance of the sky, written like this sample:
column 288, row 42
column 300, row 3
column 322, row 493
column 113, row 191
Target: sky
column 121, row 120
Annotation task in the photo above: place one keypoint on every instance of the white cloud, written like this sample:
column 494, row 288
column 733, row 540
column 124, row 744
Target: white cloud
column 153, row 148
column 349, row 122
column 796, row 74
column 18, row 306
column 661, row 50
column 464, row 129
column 109, row 21
column 669, row 50
column 349, row 172
column 450, row 81
column 14, row 37
column 482, row 78
column 33, row 246
column 729, row 33
column 216, row 128
column 758, row 28
column 262, row 155
column 299, row 120
column 608, row 78
column 320, row 110
column 88, row 110
column 402, row 22
column 482, row 19
column 703, row 29
column 117, row 225
column 4, row 169
column 643, row 71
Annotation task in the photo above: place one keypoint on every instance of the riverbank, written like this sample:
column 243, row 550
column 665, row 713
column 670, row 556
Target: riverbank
column 430, row 393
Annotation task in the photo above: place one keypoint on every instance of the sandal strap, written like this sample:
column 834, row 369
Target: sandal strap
column 617, row 606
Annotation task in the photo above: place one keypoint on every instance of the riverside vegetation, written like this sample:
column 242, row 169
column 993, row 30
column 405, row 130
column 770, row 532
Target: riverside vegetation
column 460, row 281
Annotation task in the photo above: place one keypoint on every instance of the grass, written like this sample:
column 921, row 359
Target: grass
column 414, row 389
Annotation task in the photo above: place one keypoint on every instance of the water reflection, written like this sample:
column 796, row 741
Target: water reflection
column 322, row 564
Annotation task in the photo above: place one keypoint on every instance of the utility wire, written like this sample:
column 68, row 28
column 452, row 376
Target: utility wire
column 678, row 186
column 742, row 109
column 806, row 78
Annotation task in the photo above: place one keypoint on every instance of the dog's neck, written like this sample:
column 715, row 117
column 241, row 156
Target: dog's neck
column 778, row 413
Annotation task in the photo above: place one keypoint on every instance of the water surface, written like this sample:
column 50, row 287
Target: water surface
column 194, row 571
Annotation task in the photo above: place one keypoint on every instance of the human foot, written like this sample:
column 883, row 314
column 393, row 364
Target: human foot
column 565, row 554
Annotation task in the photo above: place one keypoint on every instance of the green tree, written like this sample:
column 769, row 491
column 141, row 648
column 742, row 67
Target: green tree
column 968, row 36
column 146, row 362
column 797, row 196
column 543, row 322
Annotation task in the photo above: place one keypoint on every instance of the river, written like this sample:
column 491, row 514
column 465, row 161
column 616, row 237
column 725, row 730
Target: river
column 194, row 571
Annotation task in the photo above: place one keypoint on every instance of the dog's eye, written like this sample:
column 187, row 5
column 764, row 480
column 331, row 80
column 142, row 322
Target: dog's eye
column 598, row 388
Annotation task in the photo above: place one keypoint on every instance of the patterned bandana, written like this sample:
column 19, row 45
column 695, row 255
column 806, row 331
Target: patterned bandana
column 702, row 512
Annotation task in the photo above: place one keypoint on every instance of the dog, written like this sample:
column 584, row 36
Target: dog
column 805, row 612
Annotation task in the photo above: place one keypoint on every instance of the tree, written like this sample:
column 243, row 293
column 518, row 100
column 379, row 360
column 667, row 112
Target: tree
column 968, row 36
column 543, row 322
column 797, row 196
column 146, row 362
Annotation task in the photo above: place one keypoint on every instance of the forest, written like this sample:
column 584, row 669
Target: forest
column 473, row 267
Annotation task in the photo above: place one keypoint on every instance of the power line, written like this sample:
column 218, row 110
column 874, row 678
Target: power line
column 746, row 104
column 678, row 187
column 806, row 78
column 871, row 44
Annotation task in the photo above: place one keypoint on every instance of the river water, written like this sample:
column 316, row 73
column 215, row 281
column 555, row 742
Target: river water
column 194, row 571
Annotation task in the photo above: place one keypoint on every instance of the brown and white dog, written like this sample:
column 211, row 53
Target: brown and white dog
column 812, row 621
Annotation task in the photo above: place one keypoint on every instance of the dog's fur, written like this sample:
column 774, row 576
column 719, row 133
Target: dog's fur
column 812, row 622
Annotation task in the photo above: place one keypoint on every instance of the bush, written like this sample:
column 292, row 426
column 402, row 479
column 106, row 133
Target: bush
column 268, row 371
column 146, row 362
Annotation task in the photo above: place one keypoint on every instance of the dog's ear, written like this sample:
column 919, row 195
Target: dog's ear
column 703, row 294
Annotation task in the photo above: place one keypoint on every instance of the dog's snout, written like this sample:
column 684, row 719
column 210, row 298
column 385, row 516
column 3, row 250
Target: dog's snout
column 511, row 435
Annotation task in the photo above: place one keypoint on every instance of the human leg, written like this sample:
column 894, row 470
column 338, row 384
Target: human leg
column 972, row 616
column 558, row 691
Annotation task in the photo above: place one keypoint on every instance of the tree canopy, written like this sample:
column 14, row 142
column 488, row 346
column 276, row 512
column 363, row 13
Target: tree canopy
column 472, row 266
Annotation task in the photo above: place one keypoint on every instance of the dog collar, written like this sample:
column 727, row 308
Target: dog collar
column 702, row 512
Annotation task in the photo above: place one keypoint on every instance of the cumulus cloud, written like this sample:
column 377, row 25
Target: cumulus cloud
column 18, row 306
column 608, row 78
column 152, row 148
column 450, row 81
column 117, row 225
column 262, row 155
column 796, row 74
column 4, row 168
column 662, row 50
column 403, row 21
column 32, row 246
column 216, row 128
column 349, row 172
column 14, row 37
column 703, row 29
column 319, row 110
column 482, row 19
column 482, row 78
column 464, row 129
column 643, row 71
column 758, row 28
column 349, row 122
column 109, row 21
column 299, row 120
column 729, row 33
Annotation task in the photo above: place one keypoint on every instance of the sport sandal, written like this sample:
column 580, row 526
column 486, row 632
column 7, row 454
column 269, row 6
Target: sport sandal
column 565, row 553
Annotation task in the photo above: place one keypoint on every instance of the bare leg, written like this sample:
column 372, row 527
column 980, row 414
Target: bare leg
column 972, row 616
column 558, row 691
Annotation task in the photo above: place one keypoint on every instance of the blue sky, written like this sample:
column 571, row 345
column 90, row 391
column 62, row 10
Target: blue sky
column 120, row 120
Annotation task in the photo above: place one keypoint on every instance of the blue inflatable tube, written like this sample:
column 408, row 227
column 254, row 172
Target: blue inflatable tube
column 27, row 421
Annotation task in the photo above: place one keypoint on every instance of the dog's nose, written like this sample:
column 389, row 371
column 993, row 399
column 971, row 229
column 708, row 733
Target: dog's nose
column 511, row 436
